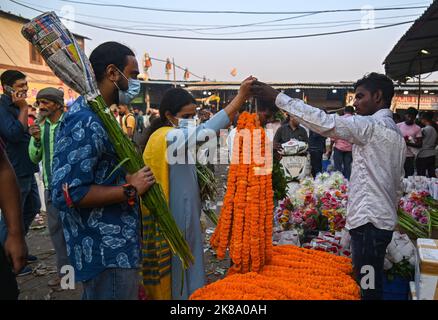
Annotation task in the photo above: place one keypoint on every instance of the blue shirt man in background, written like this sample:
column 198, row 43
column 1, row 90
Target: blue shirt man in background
column 14, row 132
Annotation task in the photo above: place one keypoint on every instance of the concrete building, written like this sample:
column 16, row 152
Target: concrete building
column 17, row 53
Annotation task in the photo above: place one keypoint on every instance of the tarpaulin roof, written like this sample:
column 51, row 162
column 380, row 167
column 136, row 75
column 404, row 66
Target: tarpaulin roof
column 406, row 58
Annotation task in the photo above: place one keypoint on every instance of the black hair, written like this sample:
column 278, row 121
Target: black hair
column 376, row 81
column 109, row 53
column 397, row 117
column 9, row 77
column 173, row 101
column 429, row 117
column 349, row 109
column 412, row 111
column 266, row 105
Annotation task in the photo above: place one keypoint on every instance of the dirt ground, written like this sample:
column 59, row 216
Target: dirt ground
column 35, row 286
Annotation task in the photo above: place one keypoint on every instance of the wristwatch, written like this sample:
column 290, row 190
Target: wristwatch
column 130, row 193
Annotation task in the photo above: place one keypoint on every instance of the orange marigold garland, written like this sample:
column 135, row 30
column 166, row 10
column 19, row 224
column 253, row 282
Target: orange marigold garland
column 248, row 201
column 260, row 270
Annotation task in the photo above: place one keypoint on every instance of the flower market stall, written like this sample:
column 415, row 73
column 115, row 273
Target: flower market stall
column 314, row 217
column 308, row 255
column 261, row 270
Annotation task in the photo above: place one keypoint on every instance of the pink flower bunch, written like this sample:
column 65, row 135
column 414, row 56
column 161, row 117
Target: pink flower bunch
column 414, row 205
column 319, row 204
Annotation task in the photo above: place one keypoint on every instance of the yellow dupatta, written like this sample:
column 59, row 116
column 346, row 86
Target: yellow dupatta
column 157, row 255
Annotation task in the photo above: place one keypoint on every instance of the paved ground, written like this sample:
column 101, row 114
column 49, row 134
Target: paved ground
column 34, row 286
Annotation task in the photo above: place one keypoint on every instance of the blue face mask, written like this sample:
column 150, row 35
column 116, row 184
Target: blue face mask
column 134, row 86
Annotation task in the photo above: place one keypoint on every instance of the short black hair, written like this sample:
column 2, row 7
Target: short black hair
column 375, row 81
column 9, row 77
column 397, row 117
column 412, row 111
column 349, row 109
column 109, row 53
column 264, row 105
column 427, row 116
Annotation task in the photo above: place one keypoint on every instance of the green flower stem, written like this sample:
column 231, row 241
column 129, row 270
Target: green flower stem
column 154, row 199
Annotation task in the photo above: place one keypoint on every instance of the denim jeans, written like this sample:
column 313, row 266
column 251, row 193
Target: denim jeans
column 113, row 284
column 343, row 160
column 368, row 248
column 30, row 205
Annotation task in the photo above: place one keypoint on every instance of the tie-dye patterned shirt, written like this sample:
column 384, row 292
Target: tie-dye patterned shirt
column 96, row 238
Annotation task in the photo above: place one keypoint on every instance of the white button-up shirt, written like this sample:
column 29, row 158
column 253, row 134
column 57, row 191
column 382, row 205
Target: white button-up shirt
column 378, row 156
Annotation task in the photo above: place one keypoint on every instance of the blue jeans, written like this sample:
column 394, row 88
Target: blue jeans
column 30, row 205
column 343, row 160
column 113, row 284
column 368, row 248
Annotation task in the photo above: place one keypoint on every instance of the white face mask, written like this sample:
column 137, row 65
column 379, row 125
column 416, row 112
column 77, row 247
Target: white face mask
column 188, row 123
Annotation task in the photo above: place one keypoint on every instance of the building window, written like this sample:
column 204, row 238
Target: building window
column 35, row 57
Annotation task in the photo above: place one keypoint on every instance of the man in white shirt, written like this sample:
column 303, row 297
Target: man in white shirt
column 377, row 170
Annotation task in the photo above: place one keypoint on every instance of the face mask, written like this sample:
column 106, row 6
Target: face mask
column 188, row 123
column 125, row 97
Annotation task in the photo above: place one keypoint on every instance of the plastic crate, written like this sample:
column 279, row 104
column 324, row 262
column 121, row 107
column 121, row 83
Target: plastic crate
column 397, row 289
column 325, row 165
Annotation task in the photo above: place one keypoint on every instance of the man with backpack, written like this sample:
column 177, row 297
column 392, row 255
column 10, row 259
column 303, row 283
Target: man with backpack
column 128, row 120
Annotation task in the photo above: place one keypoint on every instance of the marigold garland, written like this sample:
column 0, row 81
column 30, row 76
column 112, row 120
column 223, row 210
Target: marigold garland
column 245, row 222
column 261, row 271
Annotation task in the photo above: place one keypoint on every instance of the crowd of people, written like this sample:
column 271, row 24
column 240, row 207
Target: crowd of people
column 94, row 218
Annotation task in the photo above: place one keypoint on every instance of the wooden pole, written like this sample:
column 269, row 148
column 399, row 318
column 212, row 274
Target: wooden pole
column 419, row 87
column 174, row 73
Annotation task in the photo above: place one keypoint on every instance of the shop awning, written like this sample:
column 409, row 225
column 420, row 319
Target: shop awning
column 417, row 51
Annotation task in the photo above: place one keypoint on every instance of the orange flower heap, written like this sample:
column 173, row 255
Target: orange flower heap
column 293, row 274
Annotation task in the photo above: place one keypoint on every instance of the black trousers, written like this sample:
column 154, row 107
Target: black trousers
column 426, row 165
column 368, row 249
column 8, row 284
column 316, row 162
column 409, row 166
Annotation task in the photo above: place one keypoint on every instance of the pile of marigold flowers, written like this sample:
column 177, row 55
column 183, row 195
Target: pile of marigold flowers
column 245, row 223
column 293, row 274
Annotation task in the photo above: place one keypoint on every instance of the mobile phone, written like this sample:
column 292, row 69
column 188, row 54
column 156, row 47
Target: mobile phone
column 9, row 89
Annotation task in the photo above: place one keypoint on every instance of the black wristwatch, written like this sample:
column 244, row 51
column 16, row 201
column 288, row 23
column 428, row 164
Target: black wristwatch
column 130, row 193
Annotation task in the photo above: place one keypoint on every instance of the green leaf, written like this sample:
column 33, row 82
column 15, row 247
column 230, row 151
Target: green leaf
column 117, row 167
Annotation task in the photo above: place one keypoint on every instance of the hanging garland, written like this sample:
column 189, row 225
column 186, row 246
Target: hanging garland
column 245, row 223
column 261, row 271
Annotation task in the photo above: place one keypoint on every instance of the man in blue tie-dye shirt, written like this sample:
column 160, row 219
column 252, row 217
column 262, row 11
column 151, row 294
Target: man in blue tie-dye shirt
column 101, row 224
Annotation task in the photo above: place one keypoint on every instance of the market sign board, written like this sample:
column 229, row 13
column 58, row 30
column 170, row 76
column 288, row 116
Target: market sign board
column 400, row 102
column 427, row 102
